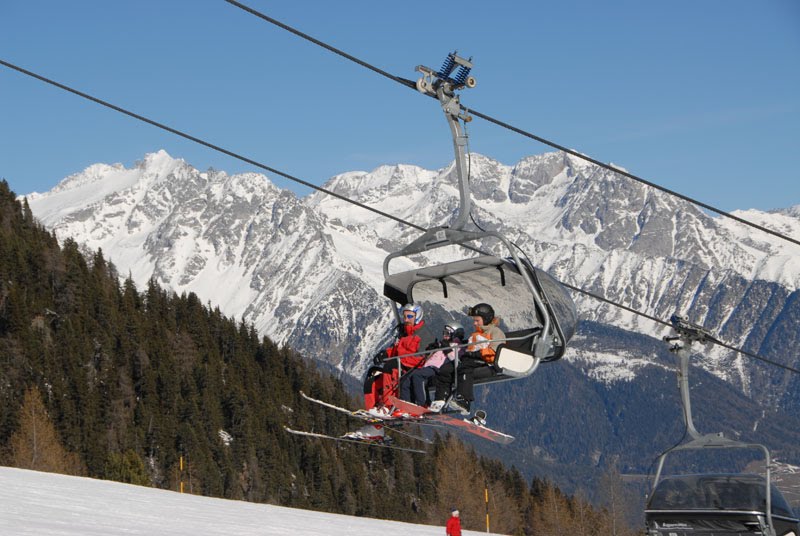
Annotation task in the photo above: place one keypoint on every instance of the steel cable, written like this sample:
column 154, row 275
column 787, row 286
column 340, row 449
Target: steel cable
column 545, row 141
column 320, row 189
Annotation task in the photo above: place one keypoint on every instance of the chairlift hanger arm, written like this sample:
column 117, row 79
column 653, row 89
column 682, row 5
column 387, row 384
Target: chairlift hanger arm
column 689, row 333
column 443, row 86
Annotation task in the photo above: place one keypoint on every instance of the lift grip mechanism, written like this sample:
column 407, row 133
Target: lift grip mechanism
column 442, row 85
column 432, row 80
column 688, row 333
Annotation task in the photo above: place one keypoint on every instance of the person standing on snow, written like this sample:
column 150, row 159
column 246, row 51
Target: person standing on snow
column 453, row 527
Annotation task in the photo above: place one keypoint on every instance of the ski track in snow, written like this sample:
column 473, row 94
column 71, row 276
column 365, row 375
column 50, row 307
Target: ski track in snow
column 45, row 504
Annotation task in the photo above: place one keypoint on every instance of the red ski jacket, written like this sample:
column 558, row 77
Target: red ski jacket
column 453, row 526
column 408, row 344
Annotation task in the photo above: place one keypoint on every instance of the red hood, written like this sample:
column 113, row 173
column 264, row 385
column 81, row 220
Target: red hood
column 411, row 329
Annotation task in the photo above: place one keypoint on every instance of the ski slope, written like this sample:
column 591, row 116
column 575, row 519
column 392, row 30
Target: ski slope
column 45, row 504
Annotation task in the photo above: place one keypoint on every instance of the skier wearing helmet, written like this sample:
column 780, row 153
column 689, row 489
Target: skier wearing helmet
column 412, row 386
column 382, row 378
column 481, row 351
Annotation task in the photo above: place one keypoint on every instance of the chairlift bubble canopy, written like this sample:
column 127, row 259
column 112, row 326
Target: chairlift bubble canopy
column 738, row 491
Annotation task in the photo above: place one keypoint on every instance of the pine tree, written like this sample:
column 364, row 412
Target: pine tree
column 461, row 483
column 127, row 467
column 552, row 512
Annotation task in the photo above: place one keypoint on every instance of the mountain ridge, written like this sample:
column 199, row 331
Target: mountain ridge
column 609, row 243
column 312, row 265
column 307, row 272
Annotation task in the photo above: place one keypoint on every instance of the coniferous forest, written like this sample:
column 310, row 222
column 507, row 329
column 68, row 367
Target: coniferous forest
column 101, row 379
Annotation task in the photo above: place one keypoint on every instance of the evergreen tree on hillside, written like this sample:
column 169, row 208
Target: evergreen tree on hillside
column 127, row 467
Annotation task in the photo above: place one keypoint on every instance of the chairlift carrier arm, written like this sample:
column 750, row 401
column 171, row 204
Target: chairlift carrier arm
column 688, row 333
column 444, row 86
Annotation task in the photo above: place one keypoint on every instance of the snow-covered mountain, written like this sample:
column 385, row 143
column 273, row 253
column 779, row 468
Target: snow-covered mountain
column 308, row 271
column 238, row 242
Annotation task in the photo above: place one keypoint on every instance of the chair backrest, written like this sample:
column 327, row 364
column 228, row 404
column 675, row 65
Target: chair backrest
column 426, row 335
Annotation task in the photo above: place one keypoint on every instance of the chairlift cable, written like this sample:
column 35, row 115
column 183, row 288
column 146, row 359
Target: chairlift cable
column 398, row 79
column 658, row 320
column 205, row 143
column 326, row 191
column 545, row 141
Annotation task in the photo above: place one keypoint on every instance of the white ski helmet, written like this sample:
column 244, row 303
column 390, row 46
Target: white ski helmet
column 412, row 308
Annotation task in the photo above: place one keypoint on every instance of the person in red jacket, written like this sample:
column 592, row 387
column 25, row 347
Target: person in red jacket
column 381, row 379
column 453, row 527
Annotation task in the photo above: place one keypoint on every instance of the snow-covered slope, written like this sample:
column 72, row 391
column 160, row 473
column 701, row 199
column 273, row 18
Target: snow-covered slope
column 45, row 504
column 308, row 271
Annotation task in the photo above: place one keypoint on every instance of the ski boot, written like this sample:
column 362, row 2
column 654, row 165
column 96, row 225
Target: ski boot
column 459, row 404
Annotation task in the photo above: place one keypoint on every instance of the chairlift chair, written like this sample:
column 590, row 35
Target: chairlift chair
column 718, row 504
column 712, row 503
column 538, row 313
column 539, row 316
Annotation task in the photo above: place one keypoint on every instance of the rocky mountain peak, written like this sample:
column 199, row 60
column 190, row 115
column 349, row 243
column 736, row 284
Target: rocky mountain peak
column 308, row 271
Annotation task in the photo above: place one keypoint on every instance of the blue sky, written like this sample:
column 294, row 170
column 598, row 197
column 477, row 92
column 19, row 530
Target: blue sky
column 702, row 97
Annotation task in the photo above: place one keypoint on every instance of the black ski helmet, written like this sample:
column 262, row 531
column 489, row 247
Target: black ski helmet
column 483, row 310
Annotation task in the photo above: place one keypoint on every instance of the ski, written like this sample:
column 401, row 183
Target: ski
column 392, row 423
column 449, row 419
column 418, row 415
column 358, row 414
column 351, row 440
